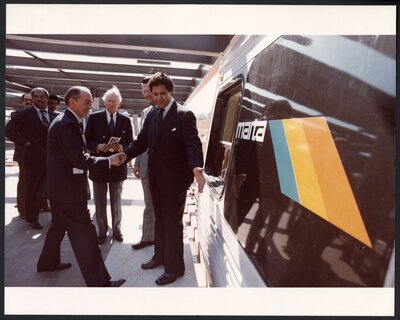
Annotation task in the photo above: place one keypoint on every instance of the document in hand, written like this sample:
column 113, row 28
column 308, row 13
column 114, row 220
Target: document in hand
column 113, row 140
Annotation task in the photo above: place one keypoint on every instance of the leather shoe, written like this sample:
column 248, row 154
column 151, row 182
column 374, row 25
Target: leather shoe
column 151, row 264
column 116, row 283
column 35, row 225
column 101, row 240
column 63, row 265
column 119, row 237
column 59, row 266
column 142, row 244
column 167, row 278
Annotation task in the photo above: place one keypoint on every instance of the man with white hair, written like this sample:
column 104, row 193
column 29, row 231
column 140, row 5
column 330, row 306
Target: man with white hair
column 101, row 126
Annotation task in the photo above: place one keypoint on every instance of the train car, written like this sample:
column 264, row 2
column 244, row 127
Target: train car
column 299, row 143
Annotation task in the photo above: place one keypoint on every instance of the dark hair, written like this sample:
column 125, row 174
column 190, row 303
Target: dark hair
column 161, row 78
column 74, row 93
column 54, row 97
column 146, row 80
column 39, row 89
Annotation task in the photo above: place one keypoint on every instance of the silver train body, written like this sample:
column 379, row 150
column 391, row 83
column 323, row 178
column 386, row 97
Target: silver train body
column 299, row 142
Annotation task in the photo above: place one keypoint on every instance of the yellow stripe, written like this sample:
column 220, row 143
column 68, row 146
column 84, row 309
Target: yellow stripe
column 306, row 178
column 341, row 206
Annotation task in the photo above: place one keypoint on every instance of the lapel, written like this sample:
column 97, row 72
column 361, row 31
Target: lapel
column 76, row 122
column 104, row 123
column 117, row 122
column 52, row 115
column 151, row 118
column 36, row 118
column 168, row 122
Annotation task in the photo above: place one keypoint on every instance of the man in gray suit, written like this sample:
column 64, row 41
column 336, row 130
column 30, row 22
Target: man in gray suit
column 140, row 171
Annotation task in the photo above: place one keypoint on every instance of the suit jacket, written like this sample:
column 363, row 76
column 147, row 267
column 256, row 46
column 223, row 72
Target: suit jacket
column 66, row 154
column 18, row 154
column 142, row 160
column 25, row 125
column 18, row 151
column 174, row 153
column 98, row 131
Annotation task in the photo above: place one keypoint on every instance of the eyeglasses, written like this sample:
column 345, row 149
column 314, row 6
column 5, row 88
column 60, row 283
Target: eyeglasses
column 112, row 101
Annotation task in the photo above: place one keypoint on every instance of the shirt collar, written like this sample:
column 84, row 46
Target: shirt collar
column 166, row 109
column 39, row 110
column 76, row 116
column 109, row 115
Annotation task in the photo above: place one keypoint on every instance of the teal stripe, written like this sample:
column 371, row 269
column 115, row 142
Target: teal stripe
column 287, row 180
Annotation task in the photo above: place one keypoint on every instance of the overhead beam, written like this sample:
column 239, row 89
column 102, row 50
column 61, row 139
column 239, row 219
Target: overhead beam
column 201, row 45
column 85, row 76
column 105, row 67
column 108, row 52
column 17, row 86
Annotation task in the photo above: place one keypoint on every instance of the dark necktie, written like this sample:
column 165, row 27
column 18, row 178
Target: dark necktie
column 82, row 132
column 112, row 125
column 158, row 121
column 44, row 119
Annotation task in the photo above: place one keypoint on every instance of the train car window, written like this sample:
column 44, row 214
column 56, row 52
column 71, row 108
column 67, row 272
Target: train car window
column 230, row 121
column 310, row 195
column 221, row 136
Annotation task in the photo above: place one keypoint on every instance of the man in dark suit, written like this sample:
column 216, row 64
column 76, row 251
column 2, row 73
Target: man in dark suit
column 18, row 157
column 28, row 129
column 175, row 156
column 67, row 188
column 101, row 126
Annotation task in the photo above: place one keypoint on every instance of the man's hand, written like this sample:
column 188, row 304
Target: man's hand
column 116, row 147
column 117, row 159
column 102, row 147
column 198, row 175
column 136, row 171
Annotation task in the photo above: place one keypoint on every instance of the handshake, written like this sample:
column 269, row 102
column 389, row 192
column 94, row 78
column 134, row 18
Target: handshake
column 117, row 159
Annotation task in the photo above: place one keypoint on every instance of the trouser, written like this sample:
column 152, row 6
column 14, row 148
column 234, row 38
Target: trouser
column 148, row 212
column 100, row 201
column 33, row 183
column 168, row 246
column 21, row 190
column 74, row 218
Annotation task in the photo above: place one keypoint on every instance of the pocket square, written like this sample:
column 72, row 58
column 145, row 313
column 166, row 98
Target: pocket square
column 173, row 129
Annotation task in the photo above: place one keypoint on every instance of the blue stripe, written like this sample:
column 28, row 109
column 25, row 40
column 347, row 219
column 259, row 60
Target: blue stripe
column 287, row 180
